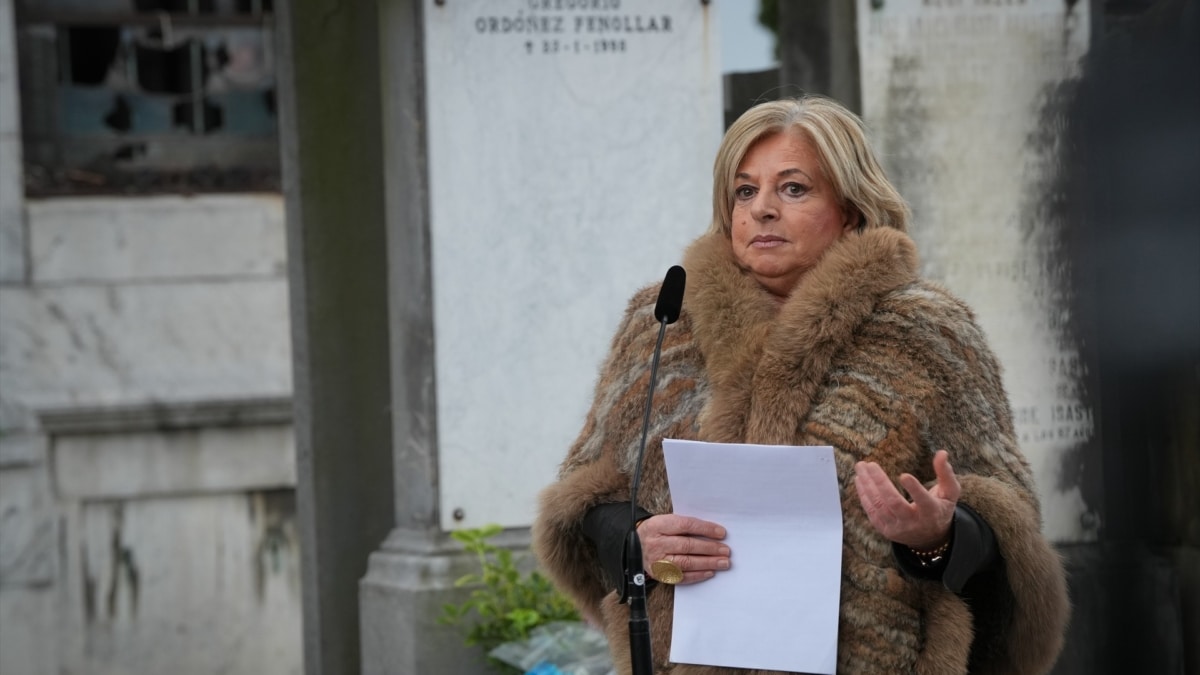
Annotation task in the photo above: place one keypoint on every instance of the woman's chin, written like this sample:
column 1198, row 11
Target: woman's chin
column 778, row 282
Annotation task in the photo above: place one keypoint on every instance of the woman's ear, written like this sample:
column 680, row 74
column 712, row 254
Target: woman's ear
column 854, row 219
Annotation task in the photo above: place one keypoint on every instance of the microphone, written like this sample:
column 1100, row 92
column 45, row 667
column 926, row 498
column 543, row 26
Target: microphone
column 666, row 311
column 670, row 296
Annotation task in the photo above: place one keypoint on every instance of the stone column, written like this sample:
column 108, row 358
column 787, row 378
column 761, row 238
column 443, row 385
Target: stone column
column 362, row 316
column 12, row 188
column 331, row 140
column 411, row 574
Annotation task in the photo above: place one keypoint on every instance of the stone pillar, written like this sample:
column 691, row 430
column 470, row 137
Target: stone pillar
column 12, row 188
column 331, row 140
column 411, row 574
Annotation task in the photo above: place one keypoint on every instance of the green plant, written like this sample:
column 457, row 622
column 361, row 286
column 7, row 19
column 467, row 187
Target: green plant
column 507, row 603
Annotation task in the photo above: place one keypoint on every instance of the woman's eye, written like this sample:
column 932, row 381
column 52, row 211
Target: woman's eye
column 744, row 192
column 793, row 189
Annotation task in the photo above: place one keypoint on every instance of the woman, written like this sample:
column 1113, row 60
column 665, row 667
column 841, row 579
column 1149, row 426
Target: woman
column 806, row 322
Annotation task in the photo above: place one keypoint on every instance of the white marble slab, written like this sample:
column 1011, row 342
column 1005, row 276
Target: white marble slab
column 89, row 240
column 570, row 155
column 108, row 345
column 961, row 96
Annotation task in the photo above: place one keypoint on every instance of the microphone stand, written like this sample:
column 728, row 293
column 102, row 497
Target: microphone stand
column 640, row 650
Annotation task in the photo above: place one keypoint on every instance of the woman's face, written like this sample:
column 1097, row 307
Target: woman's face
column 784, row 211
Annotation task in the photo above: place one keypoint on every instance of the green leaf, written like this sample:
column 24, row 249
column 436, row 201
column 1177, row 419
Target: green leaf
column 505, row 604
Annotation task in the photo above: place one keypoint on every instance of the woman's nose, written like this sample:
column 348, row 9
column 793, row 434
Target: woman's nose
column 764, row 207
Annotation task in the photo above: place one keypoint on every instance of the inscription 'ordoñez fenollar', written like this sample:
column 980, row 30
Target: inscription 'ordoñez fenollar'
column 572, row 27
column 591, row 24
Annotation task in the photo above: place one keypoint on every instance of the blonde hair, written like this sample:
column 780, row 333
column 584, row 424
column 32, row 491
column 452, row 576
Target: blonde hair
column 840, row 141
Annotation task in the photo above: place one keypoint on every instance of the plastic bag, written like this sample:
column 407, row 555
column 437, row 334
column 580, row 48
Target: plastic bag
column 558, row 648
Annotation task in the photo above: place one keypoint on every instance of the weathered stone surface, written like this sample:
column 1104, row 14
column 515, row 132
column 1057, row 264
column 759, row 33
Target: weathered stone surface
column 19, row 448
column 166, row 417
column 204, row 460
column 199, row 584
column 28, row 527
column 95, row 345
column 965, row 100
column 408, row 582
column 14, row 416
column 128, row 305
column 95, row 240
column 29, row 640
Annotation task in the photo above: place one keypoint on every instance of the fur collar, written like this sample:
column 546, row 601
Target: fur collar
column 766, row 361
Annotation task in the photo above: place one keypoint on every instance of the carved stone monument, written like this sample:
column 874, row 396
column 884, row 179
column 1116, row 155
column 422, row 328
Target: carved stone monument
column 543, row 160
column 570, row 147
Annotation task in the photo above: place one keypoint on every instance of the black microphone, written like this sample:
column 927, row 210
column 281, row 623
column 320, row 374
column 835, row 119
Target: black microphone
column 670, row 296
column 666, row 311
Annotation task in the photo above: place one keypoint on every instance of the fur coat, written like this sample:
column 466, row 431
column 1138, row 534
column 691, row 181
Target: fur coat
column 865, row 357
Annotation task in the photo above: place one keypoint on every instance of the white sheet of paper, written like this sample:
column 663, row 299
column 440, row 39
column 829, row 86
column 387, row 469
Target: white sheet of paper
column 777, row 606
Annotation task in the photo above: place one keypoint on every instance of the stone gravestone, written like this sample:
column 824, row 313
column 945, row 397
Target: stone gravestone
column 571, row 145
column 964, row 100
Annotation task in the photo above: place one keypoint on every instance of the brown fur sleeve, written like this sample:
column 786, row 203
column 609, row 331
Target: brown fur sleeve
column 588, row 476
column 566, row 555
column 591, row 473
column 1020, row 610
column 600, row 465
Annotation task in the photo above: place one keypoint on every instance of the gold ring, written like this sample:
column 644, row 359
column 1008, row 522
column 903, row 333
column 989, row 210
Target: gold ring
column 666, row 571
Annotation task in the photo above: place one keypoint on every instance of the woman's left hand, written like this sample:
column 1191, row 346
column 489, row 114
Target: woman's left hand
column 922, row 524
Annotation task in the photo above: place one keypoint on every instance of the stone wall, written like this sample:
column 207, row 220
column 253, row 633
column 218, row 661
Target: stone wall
column 147, row 472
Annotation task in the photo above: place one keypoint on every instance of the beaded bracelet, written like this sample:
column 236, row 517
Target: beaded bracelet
column 932, row 556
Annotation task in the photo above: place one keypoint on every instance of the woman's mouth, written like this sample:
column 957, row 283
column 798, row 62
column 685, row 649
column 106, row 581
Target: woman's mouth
column 767, row 241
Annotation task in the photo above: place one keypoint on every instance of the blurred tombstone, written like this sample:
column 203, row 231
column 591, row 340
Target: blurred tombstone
column 964, row 99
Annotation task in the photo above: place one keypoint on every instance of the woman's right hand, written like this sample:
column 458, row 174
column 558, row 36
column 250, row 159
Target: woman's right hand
column 692, row 544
